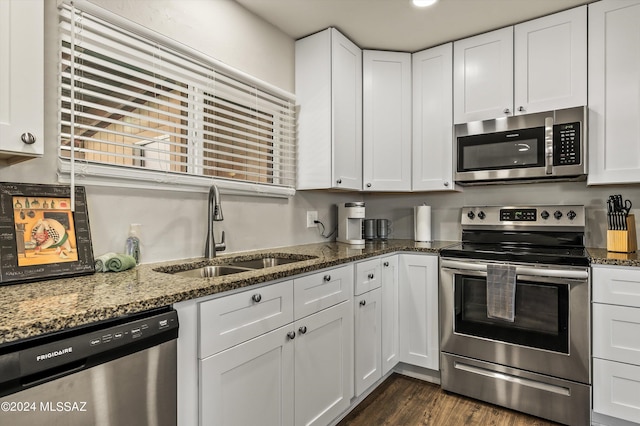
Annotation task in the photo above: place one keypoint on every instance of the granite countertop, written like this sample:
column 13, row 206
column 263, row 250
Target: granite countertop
column 32, row 309
column 600, row 256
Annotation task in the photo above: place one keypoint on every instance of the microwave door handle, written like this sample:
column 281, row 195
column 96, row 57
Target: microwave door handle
column 548, row 142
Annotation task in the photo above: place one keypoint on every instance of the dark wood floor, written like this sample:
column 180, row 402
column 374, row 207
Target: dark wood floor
column 402, row 400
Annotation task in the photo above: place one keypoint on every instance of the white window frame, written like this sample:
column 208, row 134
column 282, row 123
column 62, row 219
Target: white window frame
column 71, row 170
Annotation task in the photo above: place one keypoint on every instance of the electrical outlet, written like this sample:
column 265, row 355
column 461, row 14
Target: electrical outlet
column 311, row 216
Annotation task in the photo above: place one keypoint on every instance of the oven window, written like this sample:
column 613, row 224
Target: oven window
column 504, row 150
column 541, row 314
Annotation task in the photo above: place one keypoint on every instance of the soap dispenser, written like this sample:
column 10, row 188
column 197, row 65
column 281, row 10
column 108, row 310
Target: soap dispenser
column 132, row 245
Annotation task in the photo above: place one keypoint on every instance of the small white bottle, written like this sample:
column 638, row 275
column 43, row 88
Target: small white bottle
column 132, row 245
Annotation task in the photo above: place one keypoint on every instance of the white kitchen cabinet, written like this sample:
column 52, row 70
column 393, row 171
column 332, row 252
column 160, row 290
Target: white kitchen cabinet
column 321, row 290
column 386, row 117
column 616, row 342
column 536, row 66
column 21, row 80
column 433, row 119
column 251, row 383
column 418, row 291
column 390, row 315
column 367, row 332
column 614, row 85
column 483, row 76
column 323, row 364
column 328, row 73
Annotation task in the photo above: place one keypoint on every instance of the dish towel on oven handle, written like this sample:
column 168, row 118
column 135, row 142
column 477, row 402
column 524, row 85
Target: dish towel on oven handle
column 501, row 292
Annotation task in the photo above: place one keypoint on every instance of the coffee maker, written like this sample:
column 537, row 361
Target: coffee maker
column 350, row 218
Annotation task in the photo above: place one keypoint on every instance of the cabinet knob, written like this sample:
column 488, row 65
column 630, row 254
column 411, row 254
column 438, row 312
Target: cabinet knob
column 339, row 181
column 507, row 111
column 28, row 138
column 327, row 278
column 386, row 264
column 302, row 329
column 446, row 184
column 370, row 276
column 363, row 302
column 368, row 185
column 521, row 108
column 256, row 297
column 291, row 335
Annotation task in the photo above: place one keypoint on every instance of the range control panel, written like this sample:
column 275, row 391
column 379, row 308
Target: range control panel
column 529, row 216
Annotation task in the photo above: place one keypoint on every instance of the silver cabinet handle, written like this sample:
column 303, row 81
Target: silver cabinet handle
column 368, row 185
column 370, row 276
column 302, row 329
column 28, row 138
column 386, row 264
column 327, row 278
column 339, row 181
column 256, row 297
column 506, row 111
column 521, row 108
column 446, row 184
column 291, row 335
column 363, row 302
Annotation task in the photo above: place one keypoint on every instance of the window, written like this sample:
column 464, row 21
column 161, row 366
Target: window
column 142, row 110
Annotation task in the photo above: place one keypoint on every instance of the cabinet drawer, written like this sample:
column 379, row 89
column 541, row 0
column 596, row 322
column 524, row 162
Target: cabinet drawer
column 234, row 319
column 616, row 389
column 618, row 286
column 616, row 333
column 368, row 276
column 319, row 291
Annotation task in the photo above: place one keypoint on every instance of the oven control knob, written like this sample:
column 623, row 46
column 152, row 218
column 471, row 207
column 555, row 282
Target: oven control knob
column 571, row 215
column 557, row 214
column 481, row 215
column 544, row 215
column 471, row 215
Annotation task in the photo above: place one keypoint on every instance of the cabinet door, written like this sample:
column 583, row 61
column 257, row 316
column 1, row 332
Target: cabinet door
column 483, row 76
column 386, row 119
column 433, row 119
column 616, row 333
column 390, row 315
column 367, row 339
column 21, row 79
column 323, row 365
column 550, row 62
column 250, row 384
column 418, row 283
column 346, row 110
column 614, row 85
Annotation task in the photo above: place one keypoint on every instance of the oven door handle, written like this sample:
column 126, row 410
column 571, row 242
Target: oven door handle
column 520, row 270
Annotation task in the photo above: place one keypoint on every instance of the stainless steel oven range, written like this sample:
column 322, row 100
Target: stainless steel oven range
column 515, row 311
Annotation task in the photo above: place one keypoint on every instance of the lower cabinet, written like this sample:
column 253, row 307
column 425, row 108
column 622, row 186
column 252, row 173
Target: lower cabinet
column 367, row 339
column 616, row 342
column 418, row 293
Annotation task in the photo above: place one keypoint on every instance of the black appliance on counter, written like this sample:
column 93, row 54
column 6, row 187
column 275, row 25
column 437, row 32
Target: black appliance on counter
column 515, row 311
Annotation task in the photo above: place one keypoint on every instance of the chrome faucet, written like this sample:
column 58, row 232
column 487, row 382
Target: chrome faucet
column 215, row 214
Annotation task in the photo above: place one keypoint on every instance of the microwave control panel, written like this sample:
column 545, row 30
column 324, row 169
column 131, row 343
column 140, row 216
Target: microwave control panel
column 566, row 144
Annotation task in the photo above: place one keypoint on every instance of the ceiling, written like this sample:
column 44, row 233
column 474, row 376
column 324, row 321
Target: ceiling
column 398, row 25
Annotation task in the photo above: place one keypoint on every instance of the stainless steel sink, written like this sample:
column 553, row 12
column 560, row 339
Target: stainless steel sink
column 212, row 271
column 265, row 262
column 233, row 265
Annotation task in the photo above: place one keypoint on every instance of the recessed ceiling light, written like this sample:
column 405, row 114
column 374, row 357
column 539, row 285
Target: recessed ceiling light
column 423, row 3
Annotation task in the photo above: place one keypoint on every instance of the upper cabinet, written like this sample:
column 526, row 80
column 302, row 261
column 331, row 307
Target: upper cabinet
column 535, row 66
column 21, row 80
column 614, row 92
column 433, row 119
column 386, row 100
column 329, row 91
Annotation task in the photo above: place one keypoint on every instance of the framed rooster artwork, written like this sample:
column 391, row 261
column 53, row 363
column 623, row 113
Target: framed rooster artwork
column 41, row 237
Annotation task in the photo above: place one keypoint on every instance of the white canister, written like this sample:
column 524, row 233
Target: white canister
column 422, row 223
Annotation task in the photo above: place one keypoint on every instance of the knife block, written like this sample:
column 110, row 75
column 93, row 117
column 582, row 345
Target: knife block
column 623, row 241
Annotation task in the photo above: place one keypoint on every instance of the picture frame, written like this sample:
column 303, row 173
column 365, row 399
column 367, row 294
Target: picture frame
column 40, row 236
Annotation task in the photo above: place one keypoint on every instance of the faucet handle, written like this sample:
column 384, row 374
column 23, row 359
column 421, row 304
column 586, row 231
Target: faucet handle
column 221, row 246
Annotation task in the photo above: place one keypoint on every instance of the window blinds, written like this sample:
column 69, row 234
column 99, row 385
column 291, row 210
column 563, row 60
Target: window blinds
column 143, row 112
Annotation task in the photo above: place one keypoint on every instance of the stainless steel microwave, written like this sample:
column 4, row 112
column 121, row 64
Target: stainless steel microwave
column 524, row 148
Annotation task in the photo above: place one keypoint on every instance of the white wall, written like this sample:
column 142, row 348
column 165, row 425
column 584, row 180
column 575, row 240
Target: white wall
column 174, row 223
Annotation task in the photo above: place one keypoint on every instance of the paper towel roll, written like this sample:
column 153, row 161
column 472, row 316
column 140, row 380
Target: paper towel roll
column 422, row 223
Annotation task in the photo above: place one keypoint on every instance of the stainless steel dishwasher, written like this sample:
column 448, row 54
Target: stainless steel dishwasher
column 117, row 372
